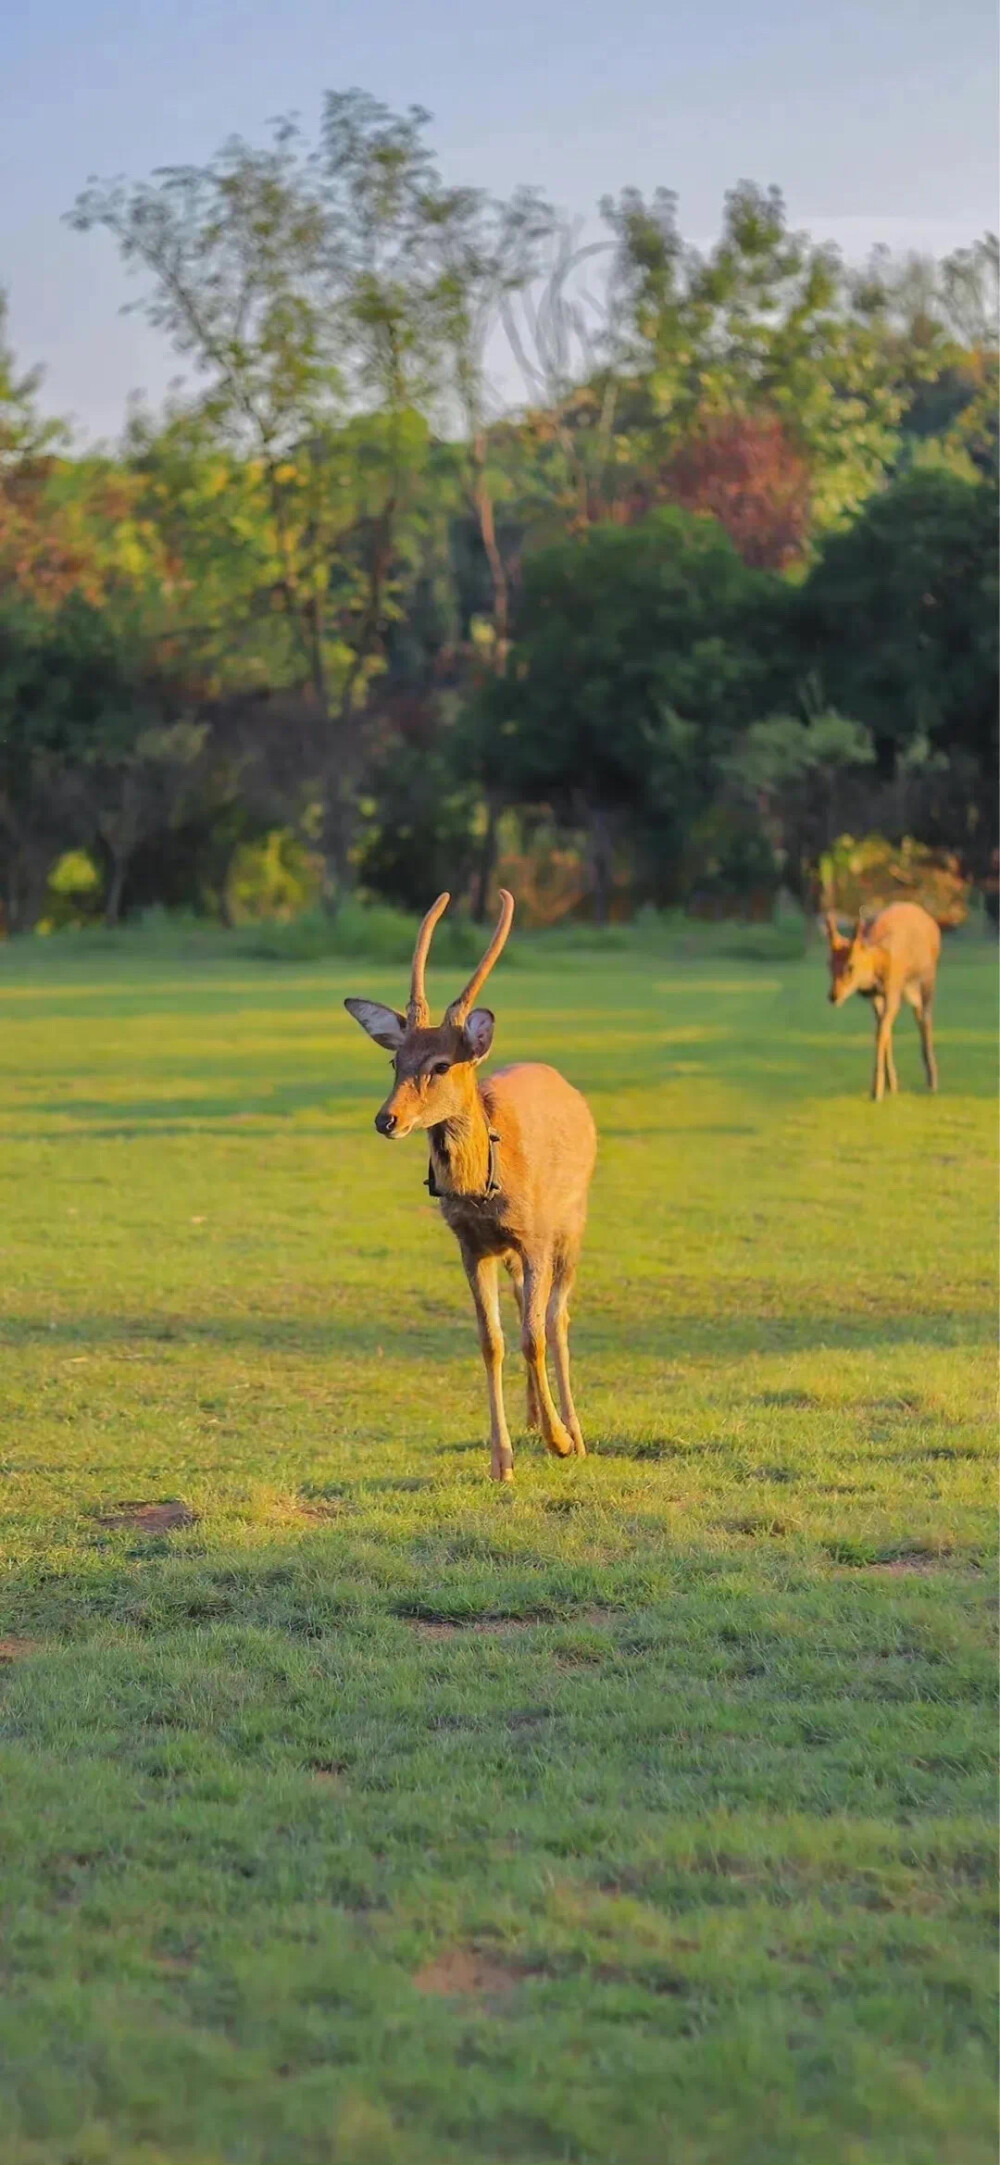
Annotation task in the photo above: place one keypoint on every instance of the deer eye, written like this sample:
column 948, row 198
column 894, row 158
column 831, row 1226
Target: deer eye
column 440, row 1067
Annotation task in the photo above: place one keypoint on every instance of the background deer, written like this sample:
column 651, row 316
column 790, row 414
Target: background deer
column 893, row 959
column 511, row 1160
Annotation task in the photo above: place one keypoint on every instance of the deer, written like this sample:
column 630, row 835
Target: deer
column 511, row 1159
column 891, row 959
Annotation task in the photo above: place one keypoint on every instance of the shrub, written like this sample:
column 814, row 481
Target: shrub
column 275, row 879
column 860, row 877
column 374, row 932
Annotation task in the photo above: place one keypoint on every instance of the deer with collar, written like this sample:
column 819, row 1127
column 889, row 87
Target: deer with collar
column 511, row 1159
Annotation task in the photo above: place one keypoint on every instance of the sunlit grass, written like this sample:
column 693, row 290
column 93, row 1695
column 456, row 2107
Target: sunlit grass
column 643, row 1816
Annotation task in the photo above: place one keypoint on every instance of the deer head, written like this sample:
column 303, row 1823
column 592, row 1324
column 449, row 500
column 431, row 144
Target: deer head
column 433, row 1064
column 853, row 964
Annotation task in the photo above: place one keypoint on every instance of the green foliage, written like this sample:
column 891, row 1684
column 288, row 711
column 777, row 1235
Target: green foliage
column 645, row 1813
column 783, row 750
column 24, row 432
column 795, row 777
column 901, row 612
column 862, row 875
column 730, row 866
column 762, row 322
column 371, row 932
column 75, row 892
column 632, row 667
column 275, row 878
column 338, row 518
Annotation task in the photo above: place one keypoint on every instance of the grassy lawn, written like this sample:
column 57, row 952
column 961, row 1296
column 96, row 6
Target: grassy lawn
column 355, row 1811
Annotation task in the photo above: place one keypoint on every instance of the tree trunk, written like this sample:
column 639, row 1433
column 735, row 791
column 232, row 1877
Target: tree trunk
column 115, row 889
column 487, row 859
column 27, row 884
column 337, row 841
column 601, row 863
column 346, row 728
column 498, row 574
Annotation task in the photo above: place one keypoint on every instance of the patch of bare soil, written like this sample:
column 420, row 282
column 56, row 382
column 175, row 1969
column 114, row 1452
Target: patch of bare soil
column 461, row 1974
column 897, row 1567
column 149, row 1518
column 432, row 1628
column 18, row 1649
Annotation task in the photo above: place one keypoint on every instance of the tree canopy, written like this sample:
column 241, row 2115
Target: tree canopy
column 344, row 588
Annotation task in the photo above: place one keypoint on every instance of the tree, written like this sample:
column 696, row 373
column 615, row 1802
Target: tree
column 489, row 253
column 899, row 620
column 67, row 525
column 631, row 670
column 68, row 703
column 761, row 325
column 792, row 773
column 569, row 337
column 900, row 614
column 939, row 325
column 304, row 287
column 745, row 471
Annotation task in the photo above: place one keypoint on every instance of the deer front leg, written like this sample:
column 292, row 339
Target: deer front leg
column 537, row 1281
column 886, row 1010
column 481, row 1272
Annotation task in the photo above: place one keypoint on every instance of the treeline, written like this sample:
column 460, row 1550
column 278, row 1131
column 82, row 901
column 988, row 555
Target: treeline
column 715, row 582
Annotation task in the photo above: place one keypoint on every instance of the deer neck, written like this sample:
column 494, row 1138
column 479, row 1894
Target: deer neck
column 460, row 1149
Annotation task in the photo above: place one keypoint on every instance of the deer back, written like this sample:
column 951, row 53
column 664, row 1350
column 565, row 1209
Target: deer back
column 910, row 940
column 548, row 1143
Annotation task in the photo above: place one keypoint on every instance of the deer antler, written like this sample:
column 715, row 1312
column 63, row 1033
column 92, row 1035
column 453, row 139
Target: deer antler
column 459, row 1008
column 418, row 1013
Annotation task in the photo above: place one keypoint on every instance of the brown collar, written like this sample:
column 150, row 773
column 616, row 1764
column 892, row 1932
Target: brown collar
column 492, row 1187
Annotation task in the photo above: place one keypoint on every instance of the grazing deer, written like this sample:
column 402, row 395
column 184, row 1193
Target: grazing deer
column 893, row 959
column 510, row 1162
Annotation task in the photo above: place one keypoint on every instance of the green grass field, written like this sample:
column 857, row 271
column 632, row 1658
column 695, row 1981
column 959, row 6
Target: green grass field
column 361, row 1812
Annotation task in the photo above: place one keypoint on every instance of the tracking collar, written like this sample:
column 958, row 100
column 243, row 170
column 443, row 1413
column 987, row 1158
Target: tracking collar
column 492, row 1187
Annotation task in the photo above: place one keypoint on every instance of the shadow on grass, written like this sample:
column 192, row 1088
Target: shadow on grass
column 113, row 1116
column 671, row 1335
column 330, row 1577
column 356, row 1575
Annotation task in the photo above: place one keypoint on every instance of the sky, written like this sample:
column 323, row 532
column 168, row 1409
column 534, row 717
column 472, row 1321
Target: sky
column 877, row 119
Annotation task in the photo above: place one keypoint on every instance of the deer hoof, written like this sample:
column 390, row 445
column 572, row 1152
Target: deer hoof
column 561, row 1445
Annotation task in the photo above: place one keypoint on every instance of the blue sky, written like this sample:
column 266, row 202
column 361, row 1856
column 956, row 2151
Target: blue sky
column 876, row 117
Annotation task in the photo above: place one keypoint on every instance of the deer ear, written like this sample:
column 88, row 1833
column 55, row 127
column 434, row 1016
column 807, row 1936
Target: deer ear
column 382, row 1023
column 479, row 1027
column 833, row 932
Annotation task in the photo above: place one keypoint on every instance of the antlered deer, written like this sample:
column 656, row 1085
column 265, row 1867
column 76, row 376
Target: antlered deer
column 511, row 1160
column 893, row 959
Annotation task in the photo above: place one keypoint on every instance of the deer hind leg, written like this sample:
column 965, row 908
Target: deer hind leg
column 558, row 1331
column 515, row 1269
column 481, row 1272
column 537, row 1285
column 924, row 1011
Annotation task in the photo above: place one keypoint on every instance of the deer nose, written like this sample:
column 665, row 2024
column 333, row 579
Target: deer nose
column 385, row 1123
